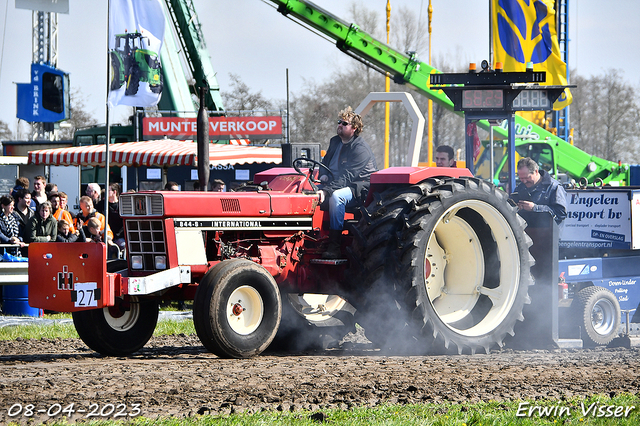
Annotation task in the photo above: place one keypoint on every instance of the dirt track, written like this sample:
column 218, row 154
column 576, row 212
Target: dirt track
column 176, row 376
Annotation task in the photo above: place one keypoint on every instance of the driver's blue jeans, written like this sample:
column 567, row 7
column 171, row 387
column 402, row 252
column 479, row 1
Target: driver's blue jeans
column 338, row 202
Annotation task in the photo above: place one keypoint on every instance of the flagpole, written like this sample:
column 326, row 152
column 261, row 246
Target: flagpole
column 107, row 162
column 491, row 34
column 387, row 88
column 430, row 102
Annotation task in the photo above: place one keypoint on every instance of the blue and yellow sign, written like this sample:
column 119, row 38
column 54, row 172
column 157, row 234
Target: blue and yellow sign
column 525, row 31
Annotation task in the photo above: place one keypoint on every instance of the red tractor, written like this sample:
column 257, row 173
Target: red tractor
column 435, row 256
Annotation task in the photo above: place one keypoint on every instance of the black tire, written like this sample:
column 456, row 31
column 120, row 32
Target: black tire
column 597, row 311
column 133, row 82
column 118, row 330
column 221, row 323
column 157, row 88
column 116, row 66
column 301, row 331
column 454, row 275
column 375, row 250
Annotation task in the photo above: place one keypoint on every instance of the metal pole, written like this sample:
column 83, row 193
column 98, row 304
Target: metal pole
column 512, row 151
column 106, row 153
column 491, row 171
column 430, row 103
column 203, row 141
column 491, row 35
column 288, row 126
column 387, row 86
column 468, row 145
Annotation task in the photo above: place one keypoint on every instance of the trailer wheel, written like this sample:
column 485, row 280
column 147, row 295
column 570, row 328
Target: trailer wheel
column 461, row 266
column 598, row 313
column 237, row 309
column 118, row 330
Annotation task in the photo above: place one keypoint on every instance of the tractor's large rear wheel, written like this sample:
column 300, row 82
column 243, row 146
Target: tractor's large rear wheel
column 460, row 266
column 237, row 309
column 133, row 82
column 116, row 71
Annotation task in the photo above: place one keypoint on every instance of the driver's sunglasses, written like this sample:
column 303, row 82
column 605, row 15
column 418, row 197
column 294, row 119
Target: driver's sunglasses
column 344, row 123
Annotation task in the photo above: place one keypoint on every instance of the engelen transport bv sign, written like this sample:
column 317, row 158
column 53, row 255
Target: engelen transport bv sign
column 219, row 127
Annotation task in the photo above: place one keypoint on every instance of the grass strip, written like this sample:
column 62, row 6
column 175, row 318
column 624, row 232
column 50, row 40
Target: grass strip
column 66, row 330
column 593, row 410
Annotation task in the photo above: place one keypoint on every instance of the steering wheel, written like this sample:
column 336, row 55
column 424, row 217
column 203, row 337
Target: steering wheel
column 297, row 164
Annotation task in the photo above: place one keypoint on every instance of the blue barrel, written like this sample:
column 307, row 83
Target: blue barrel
column 16, row 301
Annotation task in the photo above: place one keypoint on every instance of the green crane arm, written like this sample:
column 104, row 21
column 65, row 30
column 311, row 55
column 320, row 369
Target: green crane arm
column 408, row 69
column 187, row 25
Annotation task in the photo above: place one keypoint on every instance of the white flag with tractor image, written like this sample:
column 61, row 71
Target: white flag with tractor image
column 136, row 32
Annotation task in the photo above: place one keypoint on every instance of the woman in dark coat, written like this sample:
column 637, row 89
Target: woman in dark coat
column 9, row 225
column 42, row 227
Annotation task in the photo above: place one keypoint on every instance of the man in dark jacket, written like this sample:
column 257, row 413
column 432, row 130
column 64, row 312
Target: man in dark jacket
column 539, row 192
column 351, row 162
column 23, row 211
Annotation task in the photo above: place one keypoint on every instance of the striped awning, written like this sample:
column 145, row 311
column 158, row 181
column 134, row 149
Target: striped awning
column 166, row 152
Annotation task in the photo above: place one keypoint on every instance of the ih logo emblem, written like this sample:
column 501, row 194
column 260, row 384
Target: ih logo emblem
column 140, row 205
column 65, row 279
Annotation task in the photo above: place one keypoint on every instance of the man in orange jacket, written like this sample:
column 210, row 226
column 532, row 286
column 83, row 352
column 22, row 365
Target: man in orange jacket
column 87, row 212
column 59, row 213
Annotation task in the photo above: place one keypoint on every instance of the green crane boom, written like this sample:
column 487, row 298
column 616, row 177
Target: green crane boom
column 187, row 25
column 407, row 69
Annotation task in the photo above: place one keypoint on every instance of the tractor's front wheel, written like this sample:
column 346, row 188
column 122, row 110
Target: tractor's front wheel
column 133, row 83
column 237, row 309
column 157, row 88
column 118, row 330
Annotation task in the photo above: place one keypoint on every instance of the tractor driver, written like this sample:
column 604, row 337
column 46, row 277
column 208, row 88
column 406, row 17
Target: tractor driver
column 444, row 156
column 539, row 192
column 352, row 162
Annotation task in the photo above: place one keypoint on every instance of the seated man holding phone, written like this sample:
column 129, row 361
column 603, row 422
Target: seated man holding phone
column 539, row 192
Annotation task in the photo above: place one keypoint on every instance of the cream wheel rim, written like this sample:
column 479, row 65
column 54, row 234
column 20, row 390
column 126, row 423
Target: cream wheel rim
column 245, row 310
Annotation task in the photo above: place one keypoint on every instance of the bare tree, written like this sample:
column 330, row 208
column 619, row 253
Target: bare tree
column 5, row 131
column 312, row 122
column 406, row 32
column 241, row 98
column 604, row 114
column 79, row 116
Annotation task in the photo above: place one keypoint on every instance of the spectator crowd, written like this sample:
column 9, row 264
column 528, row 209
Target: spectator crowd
column 43, row 215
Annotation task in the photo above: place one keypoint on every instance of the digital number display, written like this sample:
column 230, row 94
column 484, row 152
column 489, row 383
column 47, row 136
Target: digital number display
column 532, row 100
column 482, row 99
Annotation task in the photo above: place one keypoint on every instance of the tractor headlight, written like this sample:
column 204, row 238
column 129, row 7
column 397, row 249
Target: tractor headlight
column 136, row 262
column 161, row 262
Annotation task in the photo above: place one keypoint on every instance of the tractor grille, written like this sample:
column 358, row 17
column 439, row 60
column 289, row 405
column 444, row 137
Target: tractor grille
column 230, row 205
column 146, row 239
column 141, row 205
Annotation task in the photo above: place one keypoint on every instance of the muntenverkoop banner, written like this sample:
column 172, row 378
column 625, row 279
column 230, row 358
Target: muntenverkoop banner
column 136, row 32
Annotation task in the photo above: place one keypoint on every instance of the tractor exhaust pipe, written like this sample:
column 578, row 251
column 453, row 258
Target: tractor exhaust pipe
column 203, row 141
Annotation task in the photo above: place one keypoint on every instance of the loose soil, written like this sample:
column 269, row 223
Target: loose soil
column 176, row 376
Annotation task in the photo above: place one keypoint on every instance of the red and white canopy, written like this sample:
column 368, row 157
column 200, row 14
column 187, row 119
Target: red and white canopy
column 166, row 152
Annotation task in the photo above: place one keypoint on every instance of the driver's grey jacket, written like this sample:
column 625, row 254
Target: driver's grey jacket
column 356, row 163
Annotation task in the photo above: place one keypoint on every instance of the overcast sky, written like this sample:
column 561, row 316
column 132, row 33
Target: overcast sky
column 251, row 39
